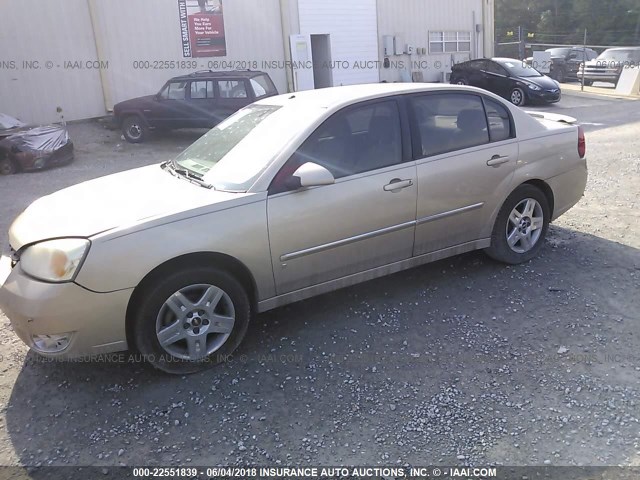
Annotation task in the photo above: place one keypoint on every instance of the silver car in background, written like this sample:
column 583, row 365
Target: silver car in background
column 291, row 197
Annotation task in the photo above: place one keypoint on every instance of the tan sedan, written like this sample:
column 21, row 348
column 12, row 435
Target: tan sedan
column 291, row 197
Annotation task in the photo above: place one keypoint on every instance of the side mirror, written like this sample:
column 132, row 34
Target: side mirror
column 310, row 175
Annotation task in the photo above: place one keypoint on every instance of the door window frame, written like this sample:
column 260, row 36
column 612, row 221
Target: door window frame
column 416, row 138
column 405, row 137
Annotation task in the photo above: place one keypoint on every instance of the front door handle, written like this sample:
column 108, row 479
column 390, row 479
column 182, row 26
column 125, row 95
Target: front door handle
column 397, row 184
column 497, row 160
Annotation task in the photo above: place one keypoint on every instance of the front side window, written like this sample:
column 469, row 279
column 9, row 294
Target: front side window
column 356, row 140
column 447, row 122
column 232, row 89
column 175, row 91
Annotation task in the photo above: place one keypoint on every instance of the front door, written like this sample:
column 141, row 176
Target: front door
column 465, row 167
column 363, row 221
column 171, row 110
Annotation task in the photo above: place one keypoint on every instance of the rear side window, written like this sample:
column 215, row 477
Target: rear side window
column 499, row 121
column 201, row 90
column 447, row 122
column 232, row 89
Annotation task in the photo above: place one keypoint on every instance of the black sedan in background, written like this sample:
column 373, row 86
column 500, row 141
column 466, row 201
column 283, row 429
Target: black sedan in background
column 508, row 77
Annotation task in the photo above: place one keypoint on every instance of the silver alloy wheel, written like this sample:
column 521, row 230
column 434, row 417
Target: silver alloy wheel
column 134, row 131
column 516, row 97
column 524, row 226
column 195, row 322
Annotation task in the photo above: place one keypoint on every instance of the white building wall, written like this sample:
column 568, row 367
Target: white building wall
column 52, row 31
column 412, row 20
column 352, row 26
column 137, row 30
column 126, row 31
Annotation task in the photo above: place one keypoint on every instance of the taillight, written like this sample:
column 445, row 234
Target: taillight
column 582, row 143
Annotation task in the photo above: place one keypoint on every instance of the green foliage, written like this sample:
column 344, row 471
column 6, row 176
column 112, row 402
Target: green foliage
column 608, row 22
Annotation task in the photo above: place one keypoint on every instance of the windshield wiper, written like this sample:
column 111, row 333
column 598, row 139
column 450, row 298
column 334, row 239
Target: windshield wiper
column 187, row 174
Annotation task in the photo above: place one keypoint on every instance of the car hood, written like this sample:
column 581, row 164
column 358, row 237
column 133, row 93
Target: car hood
column 119, row 200
column 134, row 102
column 543, row 81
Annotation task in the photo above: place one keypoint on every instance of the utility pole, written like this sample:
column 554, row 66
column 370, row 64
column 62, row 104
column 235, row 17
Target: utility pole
column 521, row 49
column 584, row 59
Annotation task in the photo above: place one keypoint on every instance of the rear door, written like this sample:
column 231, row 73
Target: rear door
column 466, row 152
column 202, row 103
column 232, row 94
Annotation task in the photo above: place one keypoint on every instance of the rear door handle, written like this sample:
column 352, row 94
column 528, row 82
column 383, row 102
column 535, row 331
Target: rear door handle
column 397, row 184
column 497, row 160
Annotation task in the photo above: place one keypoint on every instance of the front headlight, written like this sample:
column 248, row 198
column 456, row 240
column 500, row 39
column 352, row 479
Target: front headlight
column 54, row 260
column 534, row 87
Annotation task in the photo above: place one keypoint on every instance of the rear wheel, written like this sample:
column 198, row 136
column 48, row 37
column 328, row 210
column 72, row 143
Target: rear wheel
column 588, row 83
column 7, row 166
column 521, row 226
column 191, row 320
column 462, row 81
column 134, row 129
column 517, row 97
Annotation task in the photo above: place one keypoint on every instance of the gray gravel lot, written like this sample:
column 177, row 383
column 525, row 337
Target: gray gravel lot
column 464, row 361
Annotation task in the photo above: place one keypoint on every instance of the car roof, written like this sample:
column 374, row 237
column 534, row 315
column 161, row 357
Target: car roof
column 335, row 97
column 213, row 74
column 622, row 48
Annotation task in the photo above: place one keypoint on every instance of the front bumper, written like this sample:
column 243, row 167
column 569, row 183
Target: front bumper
column 544, row 96
column 95, row 321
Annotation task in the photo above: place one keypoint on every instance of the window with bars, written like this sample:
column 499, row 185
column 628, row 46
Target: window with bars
column 449, row 42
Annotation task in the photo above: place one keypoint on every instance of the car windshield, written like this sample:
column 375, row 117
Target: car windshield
column 7, row 122
column 517, row 69
column 620, row 55
column 233, row 154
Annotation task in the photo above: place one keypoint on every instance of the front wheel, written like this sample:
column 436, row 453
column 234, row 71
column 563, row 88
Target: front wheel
column 191, row 320
column 588, row 83
column 462, row 81
column 134, row 129
column 521, row 226
column 517, row 97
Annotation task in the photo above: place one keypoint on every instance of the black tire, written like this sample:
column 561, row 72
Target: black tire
column 588, row 83
column 134, row 129
column 500, row 249
column 517, row 97
column 461, row 81
column 7, row 166
column 148, row 316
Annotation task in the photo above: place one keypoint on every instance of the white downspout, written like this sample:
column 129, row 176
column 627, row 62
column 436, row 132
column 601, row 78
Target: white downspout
column 106, row 91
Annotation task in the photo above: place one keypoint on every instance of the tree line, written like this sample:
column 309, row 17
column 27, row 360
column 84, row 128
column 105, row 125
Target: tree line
column 608, row 22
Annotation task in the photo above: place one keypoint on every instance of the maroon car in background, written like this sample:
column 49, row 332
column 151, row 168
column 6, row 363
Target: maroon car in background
column 197, row 100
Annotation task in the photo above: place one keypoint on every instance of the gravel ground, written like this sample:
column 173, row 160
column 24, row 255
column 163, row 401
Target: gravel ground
column 464, row 361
